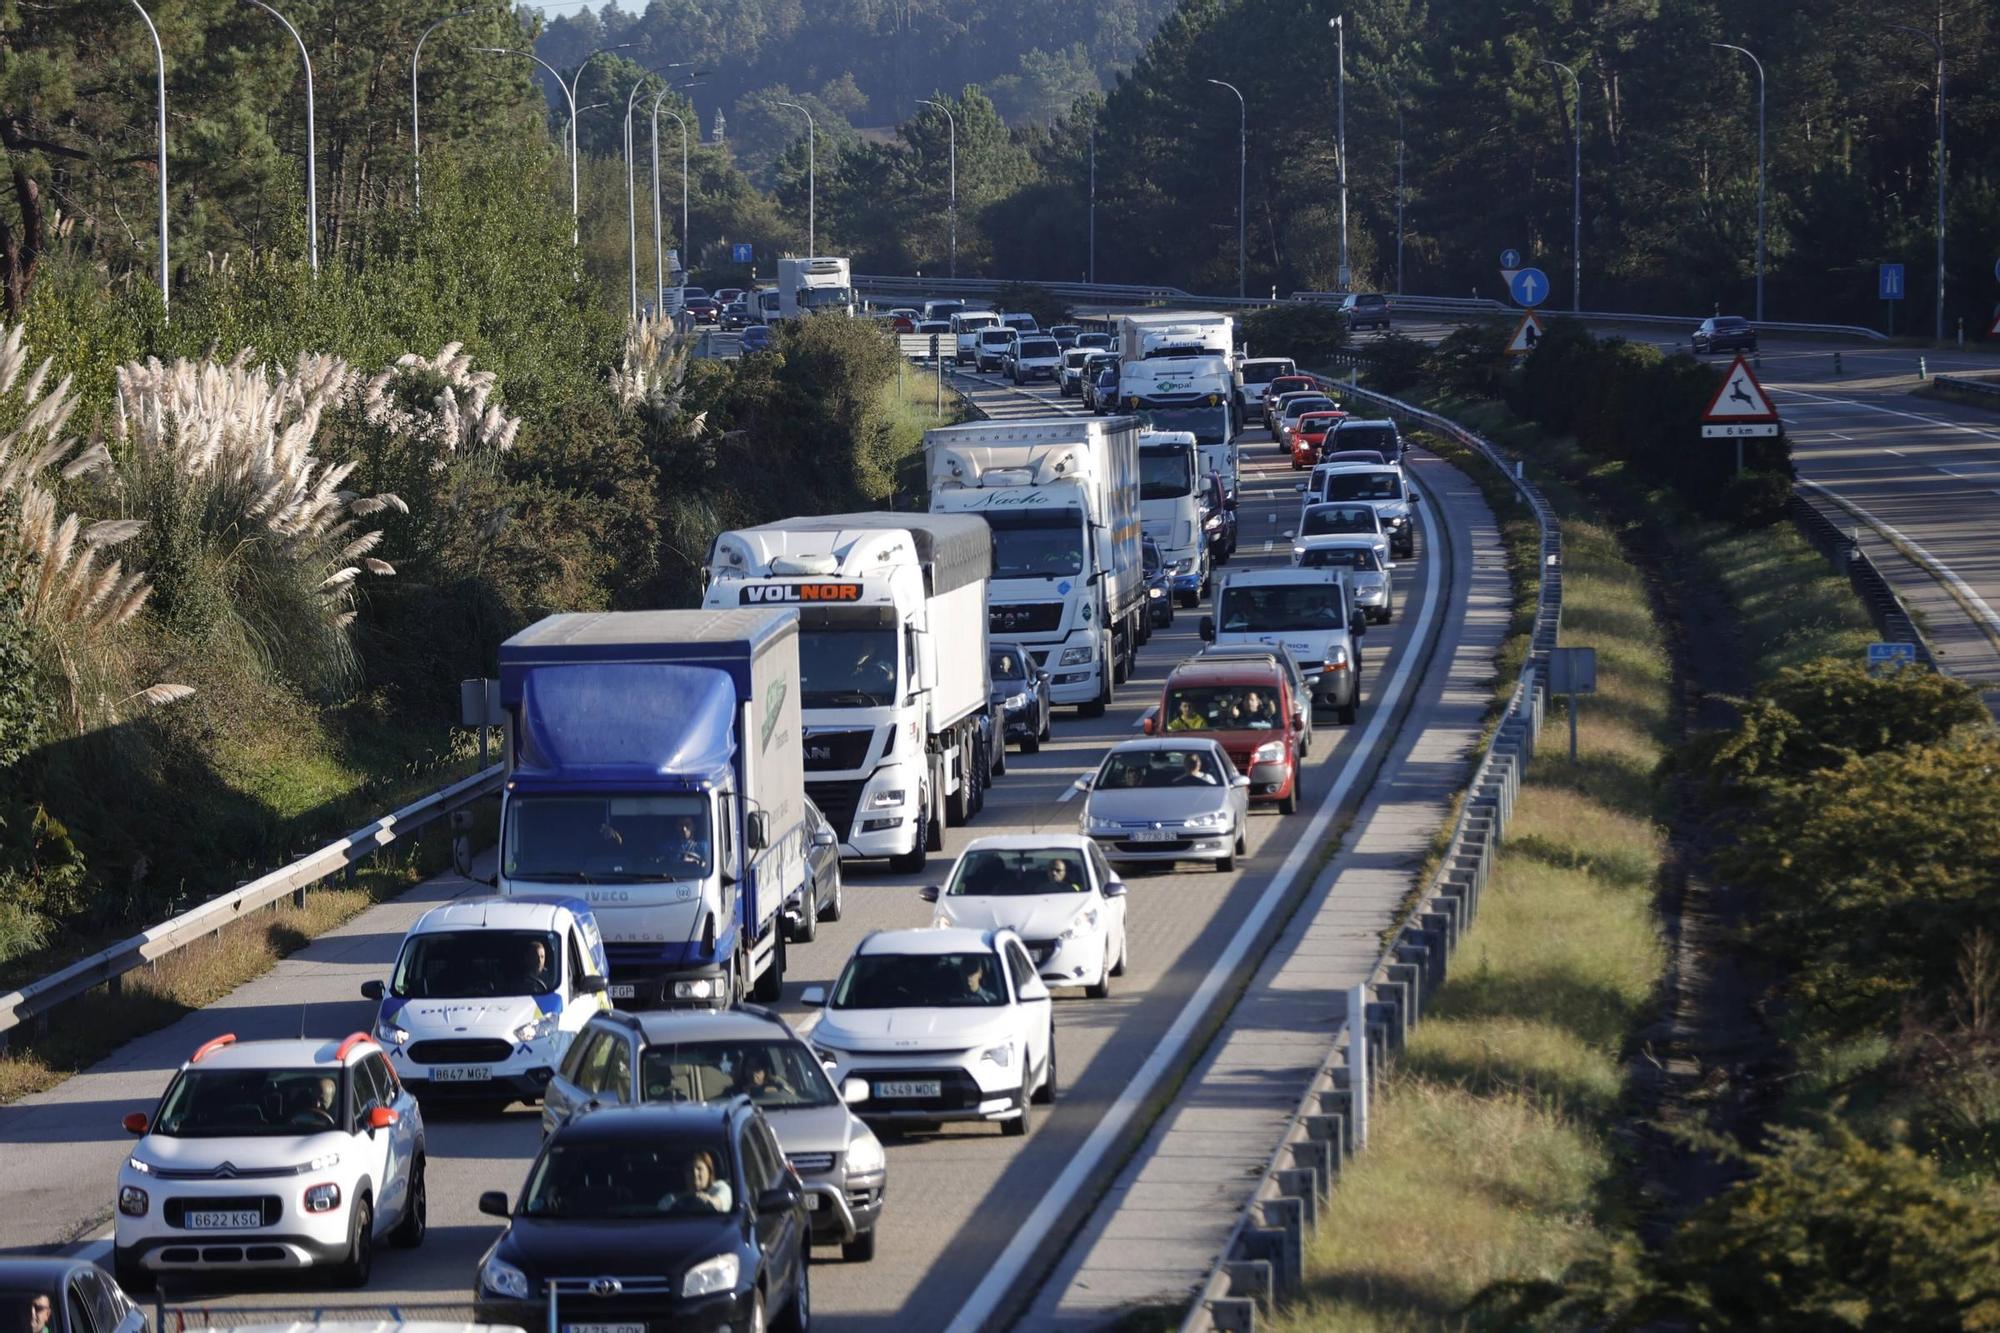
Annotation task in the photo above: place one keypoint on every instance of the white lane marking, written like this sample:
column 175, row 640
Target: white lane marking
column 1008, row 1269
column 1935, row 567
column 1891, row 412
column 1898, row 452
column 1955, row 476
column 1849, row 438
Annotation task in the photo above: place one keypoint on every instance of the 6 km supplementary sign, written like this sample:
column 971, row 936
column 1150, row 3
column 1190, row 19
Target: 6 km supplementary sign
column 1741, row 409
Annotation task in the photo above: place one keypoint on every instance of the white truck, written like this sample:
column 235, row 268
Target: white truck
column 892, row 658
column 1061, row 495
column 1176, row 372
column 1313, row 612
column 1170, row 476
column 814, row 286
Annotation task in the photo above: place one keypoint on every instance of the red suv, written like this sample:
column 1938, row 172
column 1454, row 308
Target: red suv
column 1247, row 706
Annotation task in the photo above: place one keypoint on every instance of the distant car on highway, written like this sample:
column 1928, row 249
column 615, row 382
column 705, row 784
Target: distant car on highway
column 1320, row 518
column 1065, row 334
column 822, row 897
column 1103, row 393
column 1167, row 799
column 1374, row 592
column 1279, row 386
column 1295, row 676
column 756, row 338
column 704, row 308
column 1054, row 890
column 1377, row 433
column 1159, row 584
column 1099, row 341
column 735, row 315
column 966, row 326
column 1293, row 406
column 1020, row 322
column 1033, row 357
column 991, row 346
column 1309, row 435
column 1244, row 705
column 1021, row 690
column 1253, row 378
column 1724, row 333
column 1365, row 310
column 727, row 294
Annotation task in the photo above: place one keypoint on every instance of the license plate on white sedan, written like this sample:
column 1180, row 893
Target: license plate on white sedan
column 230, row 1219
column 604, row 1328
column 463, row 1074
column 1155, row 835
column 813, row 1202
column 617, row 991
column 922, row 1087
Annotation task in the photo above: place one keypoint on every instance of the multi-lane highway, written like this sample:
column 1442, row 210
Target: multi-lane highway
column 957, row 1199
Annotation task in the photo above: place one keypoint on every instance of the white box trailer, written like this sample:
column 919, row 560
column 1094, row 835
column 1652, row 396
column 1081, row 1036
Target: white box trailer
column 815, row 285
column 1143, row 337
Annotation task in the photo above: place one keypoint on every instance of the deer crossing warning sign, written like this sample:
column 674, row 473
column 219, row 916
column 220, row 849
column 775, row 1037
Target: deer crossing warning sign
column 1740, row 408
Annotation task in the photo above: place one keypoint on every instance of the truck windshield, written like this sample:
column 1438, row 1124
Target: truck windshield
column 1363, row 486
column 920, row 981
column 847, row 667
column 1209, row 424
column 606, row 839
column 824, row 298
column 1308, row 606
column 1166, row 472
column 1043, row 545
column 1263, row 372
column 467, row 964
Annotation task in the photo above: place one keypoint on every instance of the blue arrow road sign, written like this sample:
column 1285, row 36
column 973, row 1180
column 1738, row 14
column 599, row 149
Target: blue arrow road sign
column 1889, row 282
column 1529, row 287
column 1510, row 258
column 739, row 253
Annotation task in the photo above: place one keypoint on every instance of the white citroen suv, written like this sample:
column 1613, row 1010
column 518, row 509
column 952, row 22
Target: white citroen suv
column 1056, row 891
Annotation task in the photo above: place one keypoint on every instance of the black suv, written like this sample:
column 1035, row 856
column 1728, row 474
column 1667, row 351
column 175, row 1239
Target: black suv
column 679, row 1213
column 1724, row 333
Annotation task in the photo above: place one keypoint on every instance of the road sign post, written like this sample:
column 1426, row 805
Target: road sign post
column 1885, row 657
column 740, row 253
column 1526, row 335
column 1740, row 410
column 1511, row 258
column 1572, row 671
column 1529, row 287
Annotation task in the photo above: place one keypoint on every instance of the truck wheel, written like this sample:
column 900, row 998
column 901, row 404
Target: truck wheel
column 934, row 816
column 958, row 810
column 910, row 862
column 769, row 986
column 1121, row 668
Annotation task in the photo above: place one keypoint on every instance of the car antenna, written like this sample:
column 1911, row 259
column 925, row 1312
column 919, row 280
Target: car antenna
column 302, row 1022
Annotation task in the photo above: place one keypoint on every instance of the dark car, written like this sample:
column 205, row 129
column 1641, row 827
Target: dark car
column 1159, row 584
column 1065, row 334
column 686, row 1214
column 1218, row 519
column 1021, row 691
column 1366, row 310
column 1104, row 393
column 1725, row 333
column 822, row 897
column 735, row 315
column 1378, row 434
column 756, row 338
column 698, row 303
column 81, row 1297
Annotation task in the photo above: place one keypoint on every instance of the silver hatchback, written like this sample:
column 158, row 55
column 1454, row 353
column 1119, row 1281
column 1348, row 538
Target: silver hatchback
column 1165, row 799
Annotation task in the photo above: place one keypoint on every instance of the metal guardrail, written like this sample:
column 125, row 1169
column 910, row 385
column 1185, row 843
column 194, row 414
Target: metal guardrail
column 1983, row 388
column 31, row 1004
column 1891, row 619
column 1263, row 1260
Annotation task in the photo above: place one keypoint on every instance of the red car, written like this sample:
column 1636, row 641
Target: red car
column 1283, row 384
column 1245, row 704
column 1309, row 434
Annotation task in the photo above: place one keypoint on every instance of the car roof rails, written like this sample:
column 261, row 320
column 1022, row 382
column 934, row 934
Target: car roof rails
column 353, row 1039
column 625, row 1016
column 760, row 1011
column 213, row 1044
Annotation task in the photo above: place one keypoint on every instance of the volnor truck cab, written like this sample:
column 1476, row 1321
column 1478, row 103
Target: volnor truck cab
column 653, row 771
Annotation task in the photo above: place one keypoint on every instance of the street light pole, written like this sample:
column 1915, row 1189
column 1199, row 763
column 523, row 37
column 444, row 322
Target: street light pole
column 416, row 117
column 568, row 87
column 160, row 70
column 1938, row 46
column 812, row 178
column 1760, row 168
column 1339, row 25
column 1093, row 198
column 659, row 259
column 594, row 106
column 1576, row 188
column 1397, row 93
column 1242, row 172
column 312, row 172
column 952, row 121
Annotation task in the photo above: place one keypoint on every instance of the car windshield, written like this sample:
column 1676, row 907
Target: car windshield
column 1166, row 471
column 775, row 1074
column 598, row 1181
column 1312, row 423
column 1006, row 664
column 974, row 323
column 468, row 964
column 920, row 981
column 1368, row 456
column 606, row 839
column 1025, row 323
column 1039, row 545
column 1093, row 340
column 993, row 873
column 1358, row 558
column 252, row 1103
column 1195, row 766
column 1263, row 372
column 1363, row 486
column 693, row 294
column 1209, row 425
column 1039, row 347
column 1222, row 708
column 1284, row 384
column 1339, row 518
column 847, row 666
column 1309, row 606
column 994, row 337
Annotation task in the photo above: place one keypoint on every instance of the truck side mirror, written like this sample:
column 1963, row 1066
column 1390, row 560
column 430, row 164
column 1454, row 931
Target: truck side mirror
column 1208, row 629
column 757, row 831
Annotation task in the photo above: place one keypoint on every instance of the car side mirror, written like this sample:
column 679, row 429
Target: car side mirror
column 590, row 985
column 1358, row 625
column 371, row 990
column 929, row 893
column 1208, row 629
column 493, row 1203
column 1086, row 782
column 136, row 1123
column 780, row 1200
column 1033, row 988
column 381, row 1117
column 813, row 995
column 1300, row 487
column 1114, row 888
column 1239, row 781
column 854, row 1091
column 1148, row 724
column 757, row 831
column 823, row 837
column 1229, row 502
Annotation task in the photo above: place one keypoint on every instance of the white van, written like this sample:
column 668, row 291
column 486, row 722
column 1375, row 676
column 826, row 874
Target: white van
column 965, row 327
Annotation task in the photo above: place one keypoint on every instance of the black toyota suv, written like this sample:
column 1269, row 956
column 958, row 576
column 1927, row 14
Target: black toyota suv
column 679, row 1213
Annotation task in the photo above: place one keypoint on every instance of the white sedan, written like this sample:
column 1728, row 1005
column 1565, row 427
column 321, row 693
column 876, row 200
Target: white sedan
column 1056, row 891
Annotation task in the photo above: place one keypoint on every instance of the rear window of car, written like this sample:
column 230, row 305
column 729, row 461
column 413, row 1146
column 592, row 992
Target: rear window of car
column 1371, row 300
column 1730, row 322
column 1300, row 407
column 1040, row 347
column 996, row 337
column 1381, row 439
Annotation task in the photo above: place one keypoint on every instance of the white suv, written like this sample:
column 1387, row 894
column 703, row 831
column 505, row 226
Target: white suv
column 948, row 1024
column 487, row 994
column 1056, row 891
column 269, row 1155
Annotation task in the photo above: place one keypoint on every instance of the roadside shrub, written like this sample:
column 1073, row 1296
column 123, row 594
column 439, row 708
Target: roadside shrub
column 1755, row 500
column 1034, row 299
column 1307, row 331
column 1396, row 363
column 1471, row 361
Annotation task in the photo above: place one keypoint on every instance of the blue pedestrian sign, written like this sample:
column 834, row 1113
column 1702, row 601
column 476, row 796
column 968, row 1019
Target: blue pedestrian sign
column 1529, row 287
column 1889, row 282
column 739, row 253
column 1510, row 258
column 1890, row 657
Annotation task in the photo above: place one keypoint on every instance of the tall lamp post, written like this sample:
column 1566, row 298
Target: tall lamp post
column 1576, row 188
column 659, row 257
column 1725, row 46
column 1397, row 93
column 1093, row 198
column 1937, row 46
column 592, row 106
column 568, row 87
column 812, row 187
column 160, row 71
column 952, row 122
column 416, row 115
column 312, row 172
column 1242, row 172
column 1339, row 25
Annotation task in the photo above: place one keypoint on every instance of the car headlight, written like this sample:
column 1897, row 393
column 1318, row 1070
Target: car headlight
column 1014, row 703
column 884, row 799
column 133, row 1201
column 1092, row 824
column 1270, row 752
column 1078, row 655
column 535, row 1029
column 1213, row 819
column 1336, row 656
column 1214, row 522
column 390, row 1033
column 1002, row 1055
column 865, row 1156
column 326, row 1161
column 710, row 1276
column 1184, row 566
column 503, row 1279
column 1083, row 921
column 1156, row 591
column 144, row 1168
